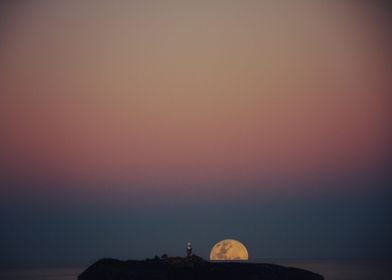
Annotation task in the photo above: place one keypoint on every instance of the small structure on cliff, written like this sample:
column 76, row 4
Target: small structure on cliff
column 189, row 250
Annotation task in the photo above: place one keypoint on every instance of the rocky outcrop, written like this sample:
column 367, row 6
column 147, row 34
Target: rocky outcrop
column 194, row 268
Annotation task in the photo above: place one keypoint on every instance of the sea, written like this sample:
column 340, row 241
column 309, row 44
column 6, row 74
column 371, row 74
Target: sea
column 330, row 269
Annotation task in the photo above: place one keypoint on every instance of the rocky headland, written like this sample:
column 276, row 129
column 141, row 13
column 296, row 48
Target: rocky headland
column 191, row 268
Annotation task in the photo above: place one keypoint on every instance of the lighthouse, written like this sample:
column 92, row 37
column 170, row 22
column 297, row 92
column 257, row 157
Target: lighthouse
column 189, row 250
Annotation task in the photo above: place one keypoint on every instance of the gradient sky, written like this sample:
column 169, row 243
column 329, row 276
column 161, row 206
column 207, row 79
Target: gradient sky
column 128, row 128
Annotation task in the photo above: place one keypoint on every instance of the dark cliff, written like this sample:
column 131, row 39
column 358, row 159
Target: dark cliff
column 193, row 268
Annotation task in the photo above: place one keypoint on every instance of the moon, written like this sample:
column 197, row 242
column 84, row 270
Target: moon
column 229, row 250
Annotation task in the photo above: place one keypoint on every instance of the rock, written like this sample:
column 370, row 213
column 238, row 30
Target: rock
column 193, row 268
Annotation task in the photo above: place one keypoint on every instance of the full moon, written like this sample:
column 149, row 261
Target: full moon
column 229, row 250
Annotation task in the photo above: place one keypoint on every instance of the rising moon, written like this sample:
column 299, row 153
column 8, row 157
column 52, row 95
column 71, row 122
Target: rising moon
column 229, row 250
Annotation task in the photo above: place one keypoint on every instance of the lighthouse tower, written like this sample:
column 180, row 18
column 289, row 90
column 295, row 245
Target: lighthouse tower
column 189, row 250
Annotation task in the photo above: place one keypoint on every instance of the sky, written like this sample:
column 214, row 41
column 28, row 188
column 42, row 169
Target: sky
column 128, row 128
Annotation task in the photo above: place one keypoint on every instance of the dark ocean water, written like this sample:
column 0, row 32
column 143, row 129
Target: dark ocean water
column 344, row 270
column 69, row 273
column 331, row 270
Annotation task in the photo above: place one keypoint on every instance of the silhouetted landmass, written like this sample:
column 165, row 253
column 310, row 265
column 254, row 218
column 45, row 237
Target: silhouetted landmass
column 194, row 268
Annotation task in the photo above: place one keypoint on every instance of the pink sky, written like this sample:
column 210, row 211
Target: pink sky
column 145, row 94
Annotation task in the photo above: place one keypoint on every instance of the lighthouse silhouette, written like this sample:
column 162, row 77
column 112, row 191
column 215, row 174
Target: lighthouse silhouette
column 189, row 250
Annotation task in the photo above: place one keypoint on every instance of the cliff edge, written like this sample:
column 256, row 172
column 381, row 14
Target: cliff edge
column 193, row 268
